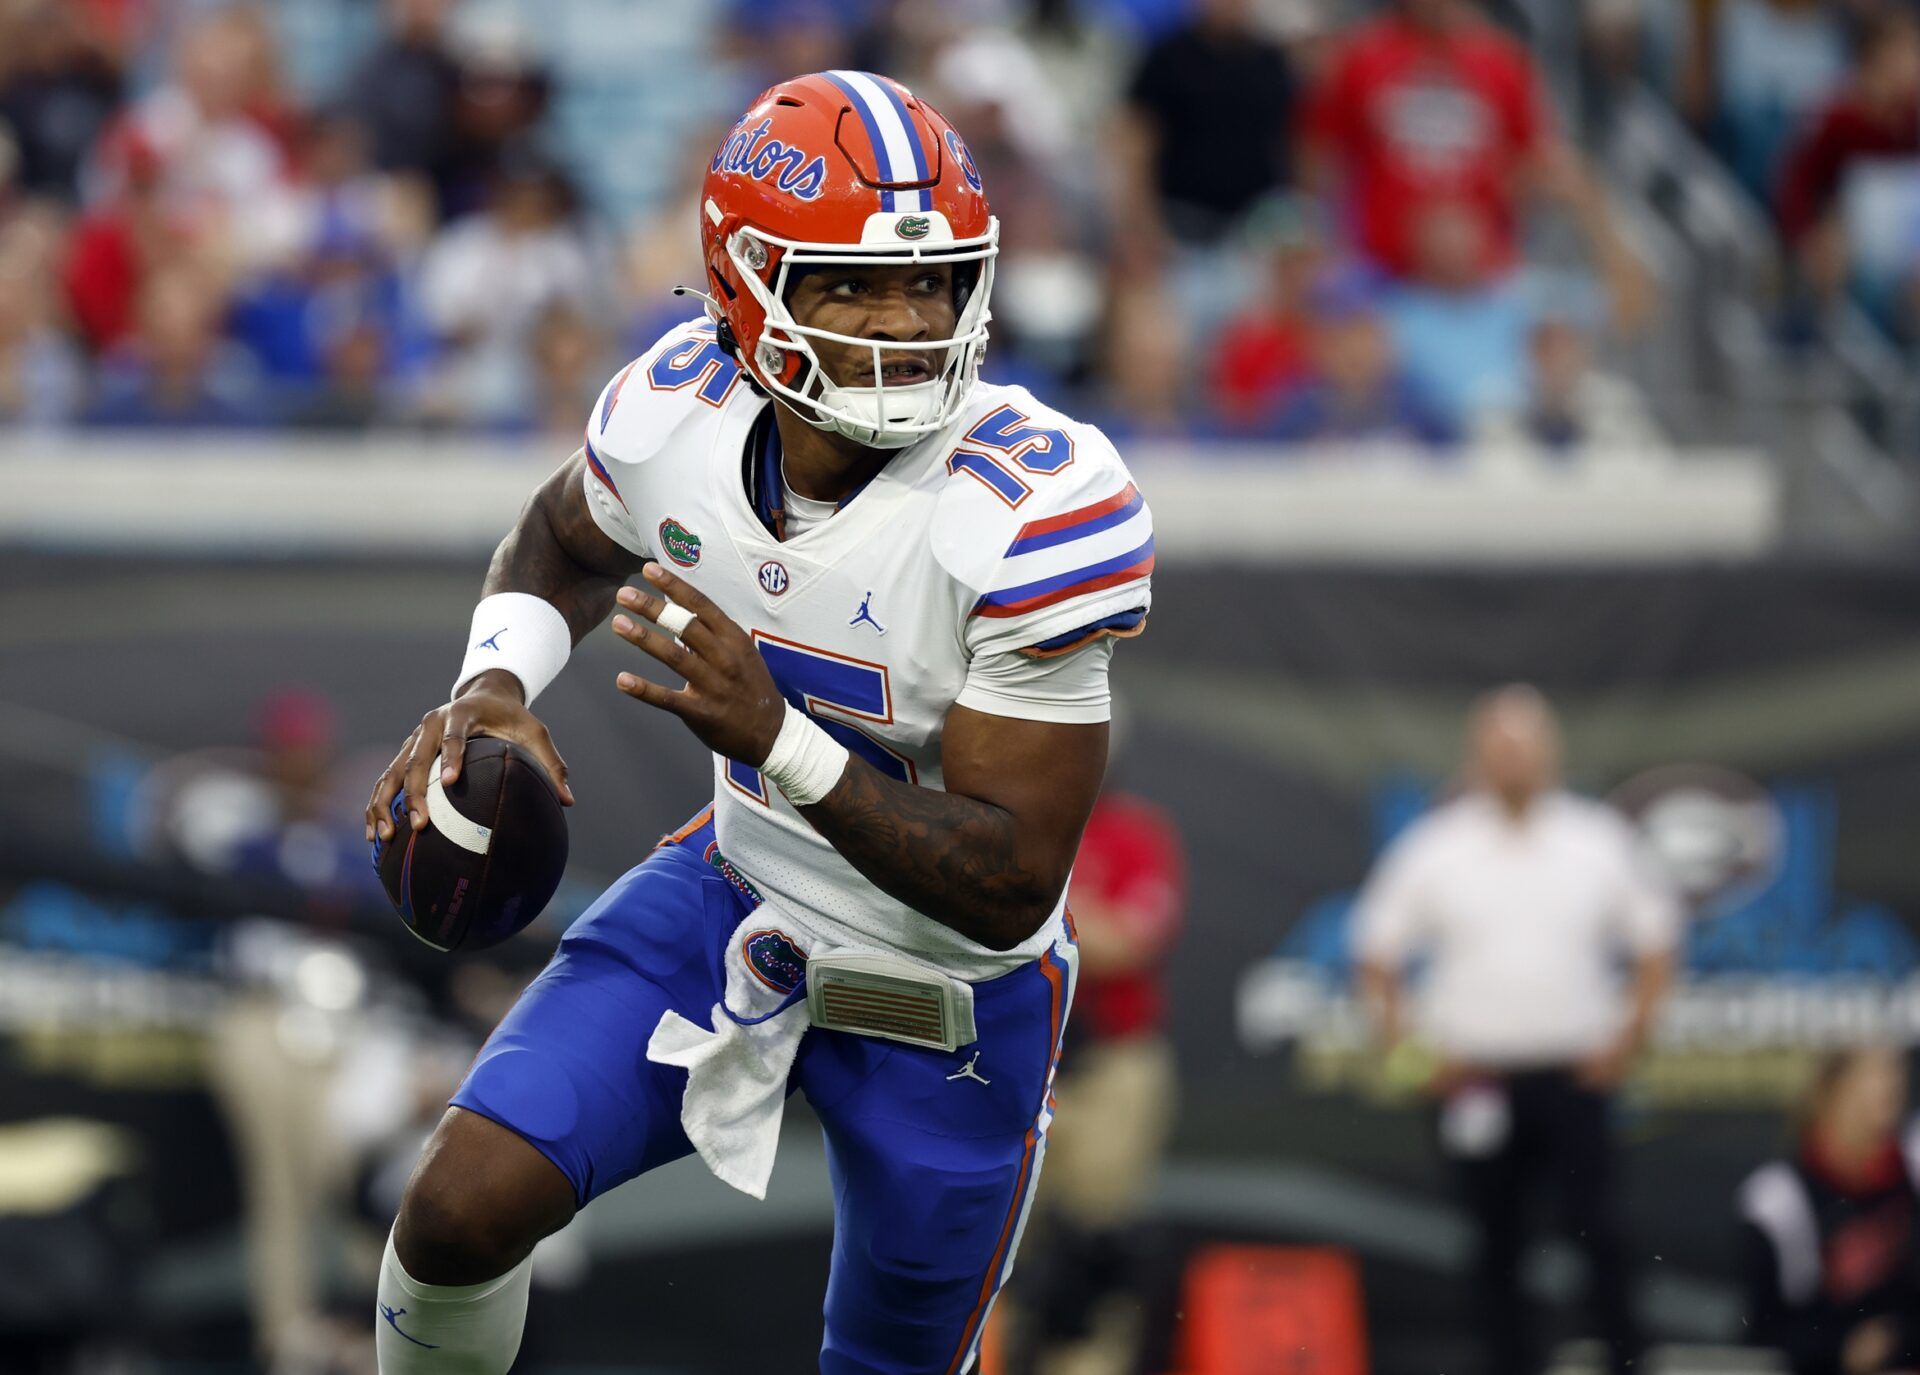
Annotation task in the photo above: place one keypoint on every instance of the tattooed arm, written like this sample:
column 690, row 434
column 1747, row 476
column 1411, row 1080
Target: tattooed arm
column 555, row 551
column 988, row 857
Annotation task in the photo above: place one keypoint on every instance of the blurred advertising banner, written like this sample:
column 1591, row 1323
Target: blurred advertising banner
column 1761, row 722
column 1759, row 726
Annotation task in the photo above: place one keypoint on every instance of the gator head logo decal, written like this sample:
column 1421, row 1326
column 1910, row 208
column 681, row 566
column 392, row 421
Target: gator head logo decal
column 775, row 960
column 912, row 226
column 679, row 543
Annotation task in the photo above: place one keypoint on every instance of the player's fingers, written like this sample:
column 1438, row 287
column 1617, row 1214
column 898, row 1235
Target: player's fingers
column 539, row 743
column 379, row 815
column 685, row 594
column 453, row 747
column 652, row 693
column 698, row 633
column 660, row 645
column 425, row 746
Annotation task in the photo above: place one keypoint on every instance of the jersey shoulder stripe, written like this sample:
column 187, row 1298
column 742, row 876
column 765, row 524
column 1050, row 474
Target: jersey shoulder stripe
column 1077, row 524
column 1132, row 565
column 1027, row 491
column 1069, row 561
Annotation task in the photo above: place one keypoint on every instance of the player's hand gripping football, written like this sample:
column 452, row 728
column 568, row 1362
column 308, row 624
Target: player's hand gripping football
column 490, row 705
column 730, row 701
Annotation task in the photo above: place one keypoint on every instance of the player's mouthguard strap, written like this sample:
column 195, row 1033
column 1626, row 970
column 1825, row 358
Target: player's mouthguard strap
column 523, row 634
column 805, row 762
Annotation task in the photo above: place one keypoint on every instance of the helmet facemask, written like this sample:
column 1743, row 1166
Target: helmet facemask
column 878, row 416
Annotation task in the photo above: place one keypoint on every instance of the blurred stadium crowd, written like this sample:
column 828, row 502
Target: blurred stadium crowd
column 1280, row 221
column 1258, row 218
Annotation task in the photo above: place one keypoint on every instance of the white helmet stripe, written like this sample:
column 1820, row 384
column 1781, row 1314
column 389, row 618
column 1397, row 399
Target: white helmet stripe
column 896, row 150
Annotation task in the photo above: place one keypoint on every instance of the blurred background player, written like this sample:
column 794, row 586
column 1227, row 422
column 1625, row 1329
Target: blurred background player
column 1518, row 898
column 1831, row 1234
column 1083, row 1310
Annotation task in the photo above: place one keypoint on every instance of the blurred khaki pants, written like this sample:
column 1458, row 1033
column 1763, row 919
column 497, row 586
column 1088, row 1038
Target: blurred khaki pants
column 1116, row 1113
column 275, row 1103
column 1116, row 1110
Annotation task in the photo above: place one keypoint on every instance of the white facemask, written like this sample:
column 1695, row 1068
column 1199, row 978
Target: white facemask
column 878, row 415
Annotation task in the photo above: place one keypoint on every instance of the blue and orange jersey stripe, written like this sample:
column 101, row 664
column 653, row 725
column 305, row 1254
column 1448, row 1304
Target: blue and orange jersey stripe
column 599, row 470
column 1036, row 535
column 1135, row 564
column 613, row 395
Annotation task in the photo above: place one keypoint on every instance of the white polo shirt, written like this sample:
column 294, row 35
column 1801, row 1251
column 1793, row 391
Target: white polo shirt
column 1523, row 925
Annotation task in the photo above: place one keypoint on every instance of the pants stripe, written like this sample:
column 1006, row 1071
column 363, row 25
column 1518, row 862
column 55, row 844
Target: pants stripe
column 1017, row 1209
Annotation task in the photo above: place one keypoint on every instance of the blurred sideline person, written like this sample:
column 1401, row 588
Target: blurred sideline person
column 1832, row 1263
column 1117, row 1088
column 1520, row 897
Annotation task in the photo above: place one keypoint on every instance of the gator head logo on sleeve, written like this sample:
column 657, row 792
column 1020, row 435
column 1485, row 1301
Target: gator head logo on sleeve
column 775, row 960
column 679, row 543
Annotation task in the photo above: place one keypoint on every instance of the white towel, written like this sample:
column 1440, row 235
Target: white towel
column 737, row 1075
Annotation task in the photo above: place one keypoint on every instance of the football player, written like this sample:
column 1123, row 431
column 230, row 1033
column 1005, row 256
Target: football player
column 885, row 596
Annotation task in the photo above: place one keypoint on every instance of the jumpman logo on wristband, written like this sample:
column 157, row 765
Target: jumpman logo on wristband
column 493, row 641
column 391, row 1314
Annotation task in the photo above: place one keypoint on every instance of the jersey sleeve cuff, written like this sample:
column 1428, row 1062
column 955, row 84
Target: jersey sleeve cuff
column 981, row 699
column 1045, row 628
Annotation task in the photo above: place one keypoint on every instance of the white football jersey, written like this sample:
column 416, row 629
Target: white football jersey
column 1013, row 530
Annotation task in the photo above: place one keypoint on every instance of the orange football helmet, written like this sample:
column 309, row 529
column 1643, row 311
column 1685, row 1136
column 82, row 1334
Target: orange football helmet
column 845, row 167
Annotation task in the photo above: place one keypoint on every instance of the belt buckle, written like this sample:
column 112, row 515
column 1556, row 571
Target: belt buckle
column 889, row 997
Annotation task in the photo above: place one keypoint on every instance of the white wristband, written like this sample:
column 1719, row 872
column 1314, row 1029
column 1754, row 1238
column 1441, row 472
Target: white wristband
column 805, row 762
column 524, row 634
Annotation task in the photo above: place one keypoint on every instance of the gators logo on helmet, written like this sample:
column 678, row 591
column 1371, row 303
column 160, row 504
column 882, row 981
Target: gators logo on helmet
column 846, row 167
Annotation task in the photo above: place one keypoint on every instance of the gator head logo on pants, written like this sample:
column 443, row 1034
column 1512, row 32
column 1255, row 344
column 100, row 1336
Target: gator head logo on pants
column 775, row 960
column 679, row 543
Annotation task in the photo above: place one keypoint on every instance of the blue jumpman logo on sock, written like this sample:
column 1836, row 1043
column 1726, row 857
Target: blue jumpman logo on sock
column 864, row 614
column 391, row 1314
column 493, row 641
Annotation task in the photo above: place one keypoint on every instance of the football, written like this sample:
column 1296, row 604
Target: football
column 490, row 858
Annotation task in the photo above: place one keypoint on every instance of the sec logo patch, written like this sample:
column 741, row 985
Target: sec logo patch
column 773, row 577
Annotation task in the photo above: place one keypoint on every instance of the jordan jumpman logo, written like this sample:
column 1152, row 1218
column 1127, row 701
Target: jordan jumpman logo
column 967, row 1071
column 390, row 1314
column 865, row 613
column 493, row 641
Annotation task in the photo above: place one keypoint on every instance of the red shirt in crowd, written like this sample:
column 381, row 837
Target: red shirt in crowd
column 1261, row 357
column 1411, row 118
column 1131, row 869
column 1845, row 132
